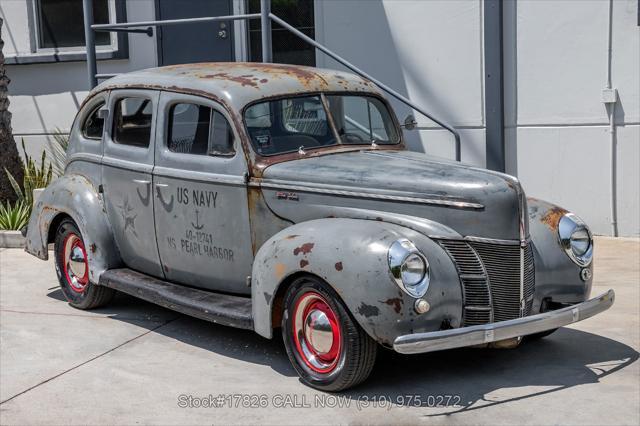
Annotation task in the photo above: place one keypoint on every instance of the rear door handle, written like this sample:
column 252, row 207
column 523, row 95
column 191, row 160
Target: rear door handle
column 161, row 185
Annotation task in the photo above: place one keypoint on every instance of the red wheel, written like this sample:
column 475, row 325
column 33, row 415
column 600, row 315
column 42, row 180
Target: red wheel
column 316, row 332
column 325, row 345
column 72, row 266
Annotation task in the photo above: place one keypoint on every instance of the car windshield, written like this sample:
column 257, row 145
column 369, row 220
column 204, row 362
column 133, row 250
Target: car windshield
column 291, row 124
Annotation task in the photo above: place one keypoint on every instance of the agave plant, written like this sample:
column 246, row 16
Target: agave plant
column 59, row 152
column 14, row 217
column 34, row 177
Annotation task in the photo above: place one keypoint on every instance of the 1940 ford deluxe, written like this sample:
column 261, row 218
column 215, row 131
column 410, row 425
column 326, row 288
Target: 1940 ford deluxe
column 267, row 196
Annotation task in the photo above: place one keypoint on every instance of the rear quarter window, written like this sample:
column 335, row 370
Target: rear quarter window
column 93, row 125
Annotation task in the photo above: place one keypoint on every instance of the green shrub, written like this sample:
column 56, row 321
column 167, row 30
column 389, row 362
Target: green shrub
column 14, row 218
column 34, row 177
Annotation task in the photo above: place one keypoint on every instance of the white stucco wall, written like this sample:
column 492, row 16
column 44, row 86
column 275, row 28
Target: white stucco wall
column 558, row 136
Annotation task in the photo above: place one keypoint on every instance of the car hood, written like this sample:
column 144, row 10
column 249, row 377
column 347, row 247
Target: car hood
column 471, row 201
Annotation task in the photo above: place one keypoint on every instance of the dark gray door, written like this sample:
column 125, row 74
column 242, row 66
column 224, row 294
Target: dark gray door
column 194, row 42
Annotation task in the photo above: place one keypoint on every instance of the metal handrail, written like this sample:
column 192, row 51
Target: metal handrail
column 380, row 84
column 98, row 27
column 265, row 17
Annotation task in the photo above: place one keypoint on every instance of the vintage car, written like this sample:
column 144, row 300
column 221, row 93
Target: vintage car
column 270, row 197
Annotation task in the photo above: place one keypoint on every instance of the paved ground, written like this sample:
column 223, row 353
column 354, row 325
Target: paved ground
column 130, row 364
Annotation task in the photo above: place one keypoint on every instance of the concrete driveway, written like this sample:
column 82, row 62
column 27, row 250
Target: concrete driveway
column 134, row 362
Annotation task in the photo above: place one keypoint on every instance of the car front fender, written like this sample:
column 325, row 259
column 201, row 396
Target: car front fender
column 351, row 256
column 73, row 196
column 557, row 276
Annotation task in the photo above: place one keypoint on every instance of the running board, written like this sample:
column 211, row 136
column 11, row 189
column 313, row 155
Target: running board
column 225, row 309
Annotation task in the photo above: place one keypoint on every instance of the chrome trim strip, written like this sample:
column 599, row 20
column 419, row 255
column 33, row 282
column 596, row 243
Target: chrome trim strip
column 276, row 185
column 183, row 174
column 119, row 163
column 477, row 239
column 487, row 333
column 84, row 156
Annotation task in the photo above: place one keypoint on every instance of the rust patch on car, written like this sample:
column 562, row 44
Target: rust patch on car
column 244, row 80
column 368, row 310
column 552, row 217
column 304, row 249
column 338, row 266
column 396, row 302
column 304, row 263
column 291, row 237
column 93, row 247
column 280, row 269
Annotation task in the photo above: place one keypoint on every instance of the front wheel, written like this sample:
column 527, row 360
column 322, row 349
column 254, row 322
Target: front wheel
column 72, row 267
column 328, row 349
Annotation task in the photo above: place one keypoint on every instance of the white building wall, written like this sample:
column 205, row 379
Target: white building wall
column 557, row 126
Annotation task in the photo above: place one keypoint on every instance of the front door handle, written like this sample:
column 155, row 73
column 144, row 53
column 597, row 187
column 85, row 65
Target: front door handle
column 142, row 181
column 168, row 206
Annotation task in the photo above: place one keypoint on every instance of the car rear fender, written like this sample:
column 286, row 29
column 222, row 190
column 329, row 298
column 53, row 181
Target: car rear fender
column 74, row 196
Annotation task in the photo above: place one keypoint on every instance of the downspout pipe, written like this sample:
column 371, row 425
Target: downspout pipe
column 610, row 98
column 89, row 42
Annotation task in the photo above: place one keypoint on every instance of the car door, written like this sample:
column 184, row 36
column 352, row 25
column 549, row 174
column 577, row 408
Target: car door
column 126, row 173
column 201, row 208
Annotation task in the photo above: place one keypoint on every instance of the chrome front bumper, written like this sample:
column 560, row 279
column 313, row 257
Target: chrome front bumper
column 487, row 333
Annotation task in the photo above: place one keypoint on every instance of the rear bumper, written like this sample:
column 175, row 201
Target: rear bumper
column 487, row 333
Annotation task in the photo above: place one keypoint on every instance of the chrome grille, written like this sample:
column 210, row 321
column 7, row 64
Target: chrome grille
column 503, row 267
column 475, row 286
column 490, row 277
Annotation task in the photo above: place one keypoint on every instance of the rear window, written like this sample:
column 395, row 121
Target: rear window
column 132, row 122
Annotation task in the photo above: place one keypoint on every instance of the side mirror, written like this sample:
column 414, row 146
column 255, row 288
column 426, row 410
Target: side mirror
column 410, row 122
column 103, row 113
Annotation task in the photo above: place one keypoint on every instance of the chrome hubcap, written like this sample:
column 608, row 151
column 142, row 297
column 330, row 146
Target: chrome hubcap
column 76, row 269
column 318, row 332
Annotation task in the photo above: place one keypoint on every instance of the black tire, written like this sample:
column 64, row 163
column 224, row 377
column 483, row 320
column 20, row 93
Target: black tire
column 86, row 295
column 538, row 336
column 356, row 353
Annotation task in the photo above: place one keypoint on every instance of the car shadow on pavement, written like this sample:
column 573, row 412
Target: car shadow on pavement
column 448, row 381
column 472, row 378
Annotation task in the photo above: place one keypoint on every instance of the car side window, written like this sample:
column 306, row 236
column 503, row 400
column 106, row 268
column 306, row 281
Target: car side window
column 200, row 130
column 93, row 124
column 132, row 122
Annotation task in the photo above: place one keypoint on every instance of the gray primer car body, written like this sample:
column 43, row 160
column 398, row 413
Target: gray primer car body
column 332, row 213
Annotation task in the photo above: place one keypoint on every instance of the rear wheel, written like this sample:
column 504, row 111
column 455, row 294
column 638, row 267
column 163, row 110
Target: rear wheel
column 72, row 267
column 328, row 349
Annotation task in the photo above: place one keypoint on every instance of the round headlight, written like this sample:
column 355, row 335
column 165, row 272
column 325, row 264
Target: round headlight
column 409, row 268
column 412, row 269
column 576, row 240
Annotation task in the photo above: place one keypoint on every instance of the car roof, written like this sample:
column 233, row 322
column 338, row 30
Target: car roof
column 240, row 83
